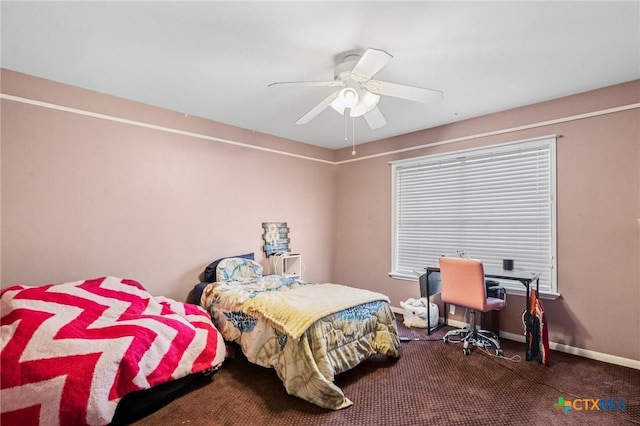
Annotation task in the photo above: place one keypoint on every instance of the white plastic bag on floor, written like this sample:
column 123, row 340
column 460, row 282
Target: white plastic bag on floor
column 415, row 313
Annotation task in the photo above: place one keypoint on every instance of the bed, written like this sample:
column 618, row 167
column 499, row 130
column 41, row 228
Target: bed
column 307, row 332
column 72, row 352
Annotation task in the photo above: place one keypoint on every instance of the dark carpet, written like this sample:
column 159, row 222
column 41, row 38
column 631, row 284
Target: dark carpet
column 432, row 383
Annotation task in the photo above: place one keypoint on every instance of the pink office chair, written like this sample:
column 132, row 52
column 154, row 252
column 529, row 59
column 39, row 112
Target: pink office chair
column 463, row 285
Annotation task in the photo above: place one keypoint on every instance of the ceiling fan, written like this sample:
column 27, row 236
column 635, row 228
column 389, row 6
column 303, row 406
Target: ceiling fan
column 358, row 92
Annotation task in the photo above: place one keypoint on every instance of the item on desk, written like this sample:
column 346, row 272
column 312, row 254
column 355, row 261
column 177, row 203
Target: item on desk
column 415, row 313
column 507, row 264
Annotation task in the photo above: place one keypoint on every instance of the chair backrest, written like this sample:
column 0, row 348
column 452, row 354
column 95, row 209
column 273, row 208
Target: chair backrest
column 463, row 282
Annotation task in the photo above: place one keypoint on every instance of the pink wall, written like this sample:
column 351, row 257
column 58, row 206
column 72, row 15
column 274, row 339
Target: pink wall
column 598, row 191
column 84, row 197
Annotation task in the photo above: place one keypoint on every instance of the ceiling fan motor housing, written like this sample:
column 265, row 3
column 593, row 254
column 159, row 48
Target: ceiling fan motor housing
column 343, row 70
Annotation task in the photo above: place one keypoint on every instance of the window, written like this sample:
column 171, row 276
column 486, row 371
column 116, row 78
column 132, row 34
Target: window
column 491, row 203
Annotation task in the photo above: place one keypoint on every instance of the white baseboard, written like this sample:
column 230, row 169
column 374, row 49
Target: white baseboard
column 585, row 353
column 560, row 347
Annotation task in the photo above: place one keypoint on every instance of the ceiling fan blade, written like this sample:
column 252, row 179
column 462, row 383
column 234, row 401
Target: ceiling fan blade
column 318, row 108
column 375, row 119
column 369, row 64
column 332, row 83
column 412, row 93
column 338, row 105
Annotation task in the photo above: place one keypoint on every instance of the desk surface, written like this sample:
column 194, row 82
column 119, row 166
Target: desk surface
column 516, row 274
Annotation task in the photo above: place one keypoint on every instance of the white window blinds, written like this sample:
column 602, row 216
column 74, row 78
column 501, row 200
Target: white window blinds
column 492, row 203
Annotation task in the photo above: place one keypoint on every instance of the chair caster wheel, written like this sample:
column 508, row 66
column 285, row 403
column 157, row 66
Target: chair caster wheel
column 499, row 352
column 466, row 351
column 446, row 339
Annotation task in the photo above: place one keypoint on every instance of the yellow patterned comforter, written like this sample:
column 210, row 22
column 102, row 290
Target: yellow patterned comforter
column 307, row 332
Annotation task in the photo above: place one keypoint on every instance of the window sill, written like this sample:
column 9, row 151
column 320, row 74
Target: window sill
column 404, row 277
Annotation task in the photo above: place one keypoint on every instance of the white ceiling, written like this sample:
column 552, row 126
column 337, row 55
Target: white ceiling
column 215, row 59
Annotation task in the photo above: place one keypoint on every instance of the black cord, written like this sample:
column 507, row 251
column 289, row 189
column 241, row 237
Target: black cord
column 418, row 339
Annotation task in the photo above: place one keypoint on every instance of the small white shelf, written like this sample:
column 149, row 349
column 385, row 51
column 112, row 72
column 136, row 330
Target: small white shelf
column 289, row 265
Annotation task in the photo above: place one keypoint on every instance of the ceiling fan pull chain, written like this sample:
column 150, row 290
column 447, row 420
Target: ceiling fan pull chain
column 353, row 123
column 345, row 128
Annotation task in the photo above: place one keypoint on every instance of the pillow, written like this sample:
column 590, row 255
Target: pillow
column 238, row 269
column 197, row 292
column 210, row 271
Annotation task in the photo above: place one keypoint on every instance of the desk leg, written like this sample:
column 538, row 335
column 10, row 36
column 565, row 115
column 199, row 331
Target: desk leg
column 527, row 284
column 431, row 291
column 446, row 315
column 428, row 305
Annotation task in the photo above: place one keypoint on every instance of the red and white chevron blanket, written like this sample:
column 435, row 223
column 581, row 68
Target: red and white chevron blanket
column 70, row 352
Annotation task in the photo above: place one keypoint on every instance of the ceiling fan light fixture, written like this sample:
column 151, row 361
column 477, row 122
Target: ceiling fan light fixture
column 348, row 97
column 368, row 101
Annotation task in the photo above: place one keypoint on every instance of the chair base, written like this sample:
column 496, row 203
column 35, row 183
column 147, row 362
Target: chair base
column 472, row 337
